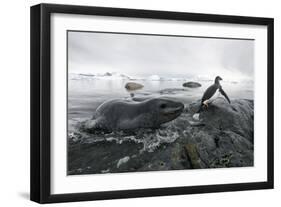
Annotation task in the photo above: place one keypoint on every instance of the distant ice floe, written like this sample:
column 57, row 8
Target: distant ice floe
column 154, row 78
column 104, row 76
column 118, row 76
column 159, row 78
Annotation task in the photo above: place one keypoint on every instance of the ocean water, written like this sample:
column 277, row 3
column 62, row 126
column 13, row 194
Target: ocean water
column 86, row 93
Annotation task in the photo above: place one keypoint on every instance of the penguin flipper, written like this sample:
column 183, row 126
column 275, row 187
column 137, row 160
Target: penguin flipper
column 224, row 94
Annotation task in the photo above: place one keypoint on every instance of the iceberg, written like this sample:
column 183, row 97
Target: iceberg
column 154, row 78
column 98, row 76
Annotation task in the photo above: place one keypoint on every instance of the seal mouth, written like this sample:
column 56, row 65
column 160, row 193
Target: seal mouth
column 172, row 111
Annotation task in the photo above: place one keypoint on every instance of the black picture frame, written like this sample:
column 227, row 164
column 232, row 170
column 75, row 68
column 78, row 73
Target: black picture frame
column 41, row 98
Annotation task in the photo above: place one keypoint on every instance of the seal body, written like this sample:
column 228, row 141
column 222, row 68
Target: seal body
column 119, row 114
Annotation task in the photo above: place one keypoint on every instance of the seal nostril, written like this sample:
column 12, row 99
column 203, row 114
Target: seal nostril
column 162, row 106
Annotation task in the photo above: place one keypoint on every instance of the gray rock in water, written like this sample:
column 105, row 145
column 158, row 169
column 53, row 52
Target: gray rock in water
column 133, row 86
column 191, row 84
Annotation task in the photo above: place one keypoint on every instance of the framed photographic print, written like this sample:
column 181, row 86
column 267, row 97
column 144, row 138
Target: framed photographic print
column 132, row 103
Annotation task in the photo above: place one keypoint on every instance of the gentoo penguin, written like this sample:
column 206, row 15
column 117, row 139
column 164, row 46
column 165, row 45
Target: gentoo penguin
column 210, row 95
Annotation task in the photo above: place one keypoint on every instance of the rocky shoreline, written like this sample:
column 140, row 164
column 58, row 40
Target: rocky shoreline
column 224, row 137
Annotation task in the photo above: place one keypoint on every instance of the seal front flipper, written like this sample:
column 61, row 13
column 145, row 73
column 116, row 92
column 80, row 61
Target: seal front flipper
column 224, row 94
column 95, row 126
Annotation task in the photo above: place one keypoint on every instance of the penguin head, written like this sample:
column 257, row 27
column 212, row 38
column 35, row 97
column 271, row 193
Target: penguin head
column 218, row 79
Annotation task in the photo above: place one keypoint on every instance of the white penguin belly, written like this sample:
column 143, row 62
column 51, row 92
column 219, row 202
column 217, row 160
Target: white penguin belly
column 214, row 97
column 196, row 116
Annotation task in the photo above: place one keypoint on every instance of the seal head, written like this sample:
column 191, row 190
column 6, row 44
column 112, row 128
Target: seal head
column 164, row 110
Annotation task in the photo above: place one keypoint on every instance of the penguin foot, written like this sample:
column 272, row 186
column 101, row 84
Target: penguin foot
column 205, row 105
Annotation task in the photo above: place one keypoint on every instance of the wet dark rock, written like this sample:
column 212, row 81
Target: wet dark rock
column 223, row 138
column 237, row 117
column 191, row 151
column 191, row 84
column 227, row 137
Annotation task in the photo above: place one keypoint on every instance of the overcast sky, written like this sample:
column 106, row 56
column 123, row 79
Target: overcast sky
column 144, row 55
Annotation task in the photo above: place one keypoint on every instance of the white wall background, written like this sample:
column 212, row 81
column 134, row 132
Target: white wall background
column 14, row 102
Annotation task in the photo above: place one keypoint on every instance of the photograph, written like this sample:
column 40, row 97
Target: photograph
column 155, row 102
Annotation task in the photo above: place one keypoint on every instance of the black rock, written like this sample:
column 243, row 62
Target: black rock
column 191, row 84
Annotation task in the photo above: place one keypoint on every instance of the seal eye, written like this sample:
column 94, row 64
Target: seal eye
column 162, row 106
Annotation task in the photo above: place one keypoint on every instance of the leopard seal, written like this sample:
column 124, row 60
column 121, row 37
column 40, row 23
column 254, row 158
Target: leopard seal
column 120, row 114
